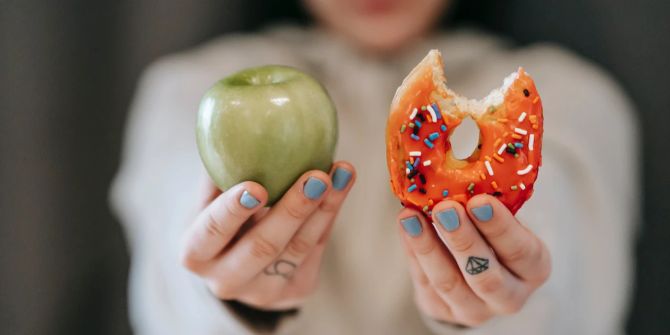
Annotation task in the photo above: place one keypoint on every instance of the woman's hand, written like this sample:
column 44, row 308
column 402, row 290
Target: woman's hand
column 267, row 258
column 469, row 266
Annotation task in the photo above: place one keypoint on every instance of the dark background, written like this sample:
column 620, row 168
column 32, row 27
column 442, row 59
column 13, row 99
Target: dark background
column 67, row 74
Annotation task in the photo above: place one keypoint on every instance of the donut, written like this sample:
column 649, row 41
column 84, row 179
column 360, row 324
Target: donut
column 423, row 116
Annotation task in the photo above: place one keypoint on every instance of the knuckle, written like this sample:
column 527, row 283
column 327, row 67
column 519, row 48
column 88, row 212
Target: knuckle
column 519, row 252
column 473, row 319
column 495, row 231
column 222, row 290
column 425, row 248
column 423, row 281
column 262, row 248
column 297, row 210
column 329, row 206
column 216, row 227
column 491, row 283
column 446, row 285
column 512, row 307
column 461, row 243
column 298, row 246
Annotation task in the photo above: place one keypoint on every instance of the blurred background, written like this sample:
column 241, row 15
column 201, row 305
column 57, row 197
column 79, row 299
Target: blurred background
column 67, row 74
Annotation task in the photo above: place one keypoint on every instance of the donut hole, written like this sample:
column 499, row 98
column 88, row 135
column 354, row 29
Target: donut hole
column 464, row 139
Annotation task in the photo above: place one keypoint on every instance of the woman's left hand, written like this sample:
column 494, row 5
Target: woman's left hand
column 469, row 266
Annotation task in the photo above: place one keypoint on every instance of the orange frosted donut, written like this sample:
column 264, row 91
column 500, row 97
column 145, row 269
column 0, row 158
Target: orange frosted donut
column 424, row 113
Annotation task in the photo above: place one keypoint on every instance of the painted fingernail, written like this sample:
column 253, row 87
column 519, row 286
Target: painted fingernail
column 248, row 201
column 341, row 178
column 483, row 213
column 314, row 188
column 412, row 225
column 448, row 218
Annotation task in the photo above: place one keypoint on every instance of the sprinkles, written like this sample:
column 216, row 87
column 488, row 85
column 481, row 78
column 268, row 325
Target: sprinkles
column 522, row 117
column 437, row 110
column 525, row 170
column 502, row 149
column 445, row 193
column 402, row 128
column 522, row 186
column 415, row 153
column 411, row 188
column 428, row 143
column 443, row 128
column 518, row 131
column 432, row 113
column 489, row 169
column 531, row 141
column 414, row 112
column 414, row 137
column 418, row 123
column 434, row 136
column 426, row 163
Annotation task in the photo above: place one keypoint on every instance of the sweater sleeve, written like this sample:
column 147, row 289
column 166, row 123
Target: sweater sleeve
column 155, row 195
column 586, row 203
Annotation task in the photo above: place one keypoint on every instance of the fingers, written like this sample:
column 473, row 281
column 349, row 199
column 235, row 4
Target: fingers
column 261, row 245
column 218, row 223
column 342, row 177
column 502, row 291
column 515, row 246
column 441, row 271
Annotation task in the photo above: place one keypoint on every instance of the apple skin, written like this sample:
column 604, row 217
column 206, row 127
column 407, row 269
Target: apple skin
column 267, row 124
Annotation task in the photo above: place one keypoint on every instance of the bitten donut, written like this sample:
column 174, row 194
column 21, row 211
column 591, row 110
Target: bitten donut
column 423, row 115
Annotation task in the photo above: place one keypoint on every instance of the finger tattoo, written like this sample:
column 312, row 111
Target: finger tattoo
column 476, row 265
column 281, row 268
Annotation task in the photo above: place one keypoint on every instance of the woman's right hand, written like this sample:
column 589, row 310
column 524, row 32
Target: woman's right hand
column 267, row 258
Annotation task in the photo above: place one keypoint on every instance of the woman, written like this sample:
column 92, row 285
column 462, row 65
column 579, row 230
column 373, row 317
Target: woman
column 246, row 269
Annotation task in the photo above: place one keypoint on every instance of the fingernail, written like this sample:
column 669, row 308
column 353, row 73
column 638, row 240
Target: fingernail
column 448, row 218
column 412, row 225
column 483, row 213
column 341, row 178
column 248, row 201
column 314, row 188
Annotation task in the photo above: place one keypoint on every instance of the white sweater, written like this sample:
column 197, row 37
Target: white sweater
column 584, row 208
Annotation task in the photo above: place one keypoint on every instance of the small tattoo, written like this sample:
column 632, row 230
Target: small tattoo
column 476, row 265
column 281, row 268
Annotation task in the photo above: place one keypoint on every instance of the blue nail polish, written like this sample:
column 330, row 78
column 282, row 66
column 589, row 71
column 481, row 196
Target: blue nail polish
column 341, row 178
column 248, row 201
column 412, row 226
column 314, row 188
column 448, row 219
column 483, row 213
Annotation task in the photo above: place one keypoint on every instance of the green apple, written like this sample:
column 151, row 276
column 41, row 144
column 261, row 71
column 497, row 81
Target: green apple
column 268, row 124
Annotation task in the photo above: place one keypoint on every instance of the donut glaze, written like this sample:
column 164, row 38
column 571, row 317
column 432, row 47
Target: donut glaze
column 424, row 114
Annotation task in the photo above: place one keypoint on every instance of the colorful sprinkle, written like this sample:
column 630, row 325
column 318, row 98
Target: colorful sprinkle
column 407, row 171
column 430, row 202
column 471, row 187
column 443, row 128
column 522, row 186
column 409, row 165
column 423, row 108
column 482, row 176
column 415, row 153
column 445, row 193
column 519, row 144
column 502, row 149
column 434, row 136
column 489, row 169
column 516, row 136
column 422, row 178
column 525, row 170
column 426, row 163
column 520, row 131
column 501, row 120
column 522, row 117
column 415, row 131
column 437, row 110
column 418, row 123
column 536, row 99
column 532, row 118
column 531, row 141
column 422, row 190
column 432, row 113
column 513, row 187
column 412, row 173
column 411, row 188
column 494, row 185
column 414, row 112
column 425, row 208
column 535, row 126
column 414, row 137
column 498, row 158
column 402, row 128
column 428, row 143
column 411, row 125
column 416, row 162
column 495, row 144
